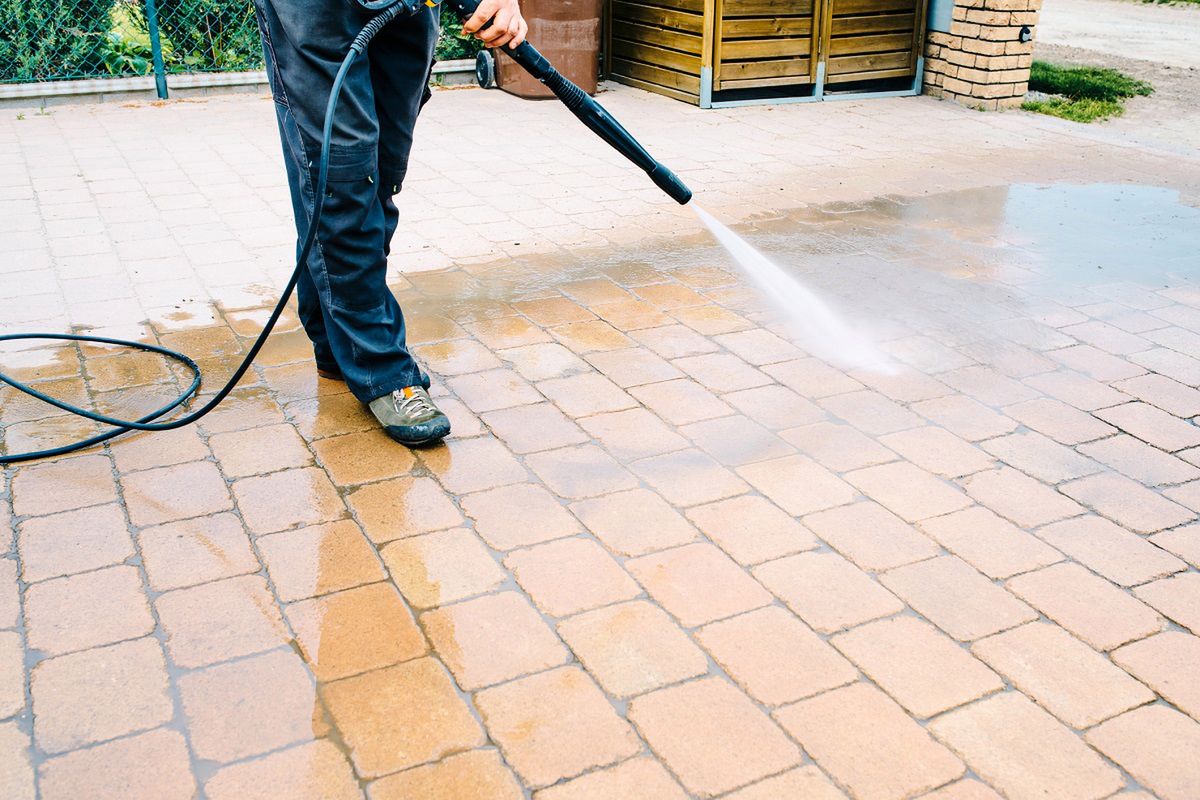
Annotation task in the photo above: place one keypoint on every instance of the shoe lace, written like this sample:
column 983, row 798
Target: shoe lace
column 416, row 404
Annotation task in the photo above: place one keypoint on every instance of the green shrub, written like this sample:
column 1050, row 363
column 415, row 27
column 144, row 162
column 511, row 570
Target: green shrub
column 452, row 44
column 209, row 35
column 52, row 39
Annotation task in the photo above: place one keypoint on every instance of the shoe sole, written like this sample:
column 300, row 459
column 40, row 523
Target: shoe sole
column 439, row 433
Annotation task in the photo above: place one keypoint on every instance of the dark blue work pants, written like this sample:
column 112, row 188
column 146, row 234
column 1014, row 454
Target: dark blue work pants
column 353, row 319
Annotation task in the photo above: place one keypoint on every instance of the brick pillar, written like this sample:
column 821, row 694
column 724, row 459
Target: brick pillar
column 981, row 61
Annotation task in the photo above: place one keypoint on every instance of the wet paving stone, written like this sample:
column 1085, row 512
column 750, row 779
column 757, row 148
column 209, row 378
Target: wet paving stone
column 674, row 547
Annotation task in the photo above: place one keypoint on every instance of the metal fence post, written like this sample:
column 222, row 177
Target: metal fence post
column 160, row 72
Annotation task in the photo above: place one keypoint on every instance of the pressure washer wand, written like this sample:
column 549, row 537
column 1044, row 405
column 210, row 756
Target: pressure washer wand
column 590, row 112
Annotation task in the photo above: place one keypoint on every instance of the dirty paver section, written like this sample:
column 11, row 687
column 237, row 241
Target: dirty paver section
column 666, row 552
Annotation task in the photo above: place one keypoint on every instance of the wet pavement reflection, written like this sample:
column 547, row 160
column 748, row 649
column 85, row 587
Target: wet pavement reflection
column 665, row 546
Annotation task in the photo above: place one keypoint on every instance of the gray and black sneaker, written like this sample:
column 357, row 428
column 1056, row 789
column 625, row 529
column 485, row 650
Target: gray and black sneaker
column 410, row 417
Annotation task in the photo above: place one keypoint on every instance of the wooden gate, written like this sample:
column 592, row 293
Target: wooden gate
column 760, row 43
column 717, row 52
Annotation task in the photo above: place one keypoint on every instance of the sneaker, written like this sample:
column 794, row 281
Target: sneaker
column 410, row 417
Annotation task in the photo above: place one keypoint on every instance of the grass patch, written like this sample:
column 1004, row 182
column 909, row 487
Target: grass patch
column 1085, row 110
column 1082, row 94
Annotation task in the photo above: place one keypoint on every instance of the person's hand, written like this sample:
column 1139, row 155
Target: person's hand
column 508, row 27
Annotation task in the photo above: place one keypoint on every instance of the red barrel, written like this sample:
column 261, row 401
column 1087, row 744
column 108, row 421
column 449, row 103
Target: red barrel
column 567, row 32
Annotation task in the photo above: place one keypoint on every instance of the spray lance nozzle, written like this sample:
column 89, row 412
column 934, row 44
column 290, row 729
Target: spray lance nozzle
column 589, row 112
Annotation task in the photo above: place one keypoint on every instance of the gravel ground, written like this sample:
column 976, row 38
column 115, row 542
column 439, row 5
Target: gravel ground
column 1156, row 43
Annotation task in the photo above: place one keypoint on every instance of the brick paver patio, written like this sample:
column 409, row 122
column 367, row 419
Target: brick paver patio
column 666, row 552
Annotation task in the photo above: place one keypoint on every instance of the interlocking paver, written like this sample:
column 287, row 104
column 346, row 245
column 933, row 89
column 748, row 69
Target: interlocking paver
column 259, row 450
column 689, row 477
column 188, row 552
column 313, row 771
column 736, row 440
column 871, row 536
column 711, row 736
column 1087, row 605
column 1123, row 557
column 362, row 457
column 1152, row 425
column 697, row 583
column 401, row 716
column 1183, row 542
column 442, row 567
column 1164, row 393
column 1025, row 501
column 680, row 401
column 473, row 465
column 635, row 779
column 72, row 541
column 938, row 450
column 1177, row 598
column 797, row 484
column 153, row 764
column 1128, row 503
column 1154, row 744
column 354, row 631
column 319, row 559
column 86, row 610
column 634, row 522
column 1068, row 678
column 908, row 491
column 100, row 694
column 581, row 471
column 633, row 434
column 837, row 446
column 527, row 429
column 63, row 485
column 956, row 598
column 12, row 674
column 807, row 782
column 775, row 407
column 751, row 529
column 219, row 621
column 502, row 516
column 555, row 725
column 473, row 775
column 1140, row 461
column 177, row 492
column 838, row 727
column 922, row 669
column 775, row 657
column 567, row 576
column 492, row 639
column 1023, row 751
column 965, row 417
column 827, row 591
column 988, row 542
column 1061, row 422
column 403, row 507
column 632, row 648
column 287, row 499
column 1166, row 663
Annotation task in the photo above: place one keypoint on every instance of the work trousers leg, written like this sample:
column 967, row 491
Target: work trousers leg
column 349, row 313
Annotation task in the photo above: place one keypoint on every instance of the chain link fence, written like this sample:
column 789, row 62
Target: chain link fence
column 55, row 40
column 47, row 40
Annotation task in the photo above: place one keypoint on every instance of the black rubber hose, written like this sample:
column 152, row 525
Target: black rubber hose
column 589, row 112
column 146, row 423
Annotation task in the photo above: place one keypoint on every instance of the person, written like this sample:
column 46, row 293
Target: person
column 355, row 323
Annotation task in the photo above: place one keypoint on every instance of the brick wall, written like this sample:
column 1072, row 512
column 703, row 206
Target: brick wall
column 981, row 62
